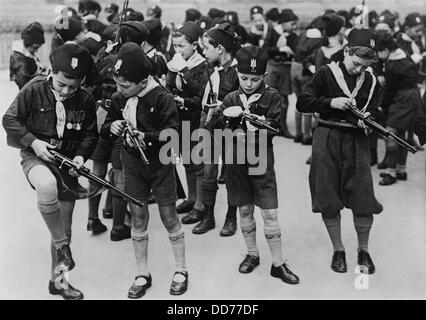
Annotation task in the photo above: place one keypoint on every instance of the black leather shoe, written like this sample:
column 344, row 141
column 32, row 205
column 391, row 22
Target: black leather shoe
column 135, row 291
column 107, row 214
column 178, row 288
column 286, row 134
column 387, row 180
column 229, row 227
column 298, row 138
column 284, row 273
column 185, row 206
column 249, row 263
column 206, row 224
column 401, row 176
column 67, row 291
column 120, row 234
column 365, row 262
column 307, row 141
column 338, row 263
column 96, row 226
column 192, row 217
column 64, row 260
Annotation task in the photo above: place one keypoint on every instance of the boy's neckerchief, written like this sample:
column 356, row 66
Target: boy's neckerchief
column 129, row 111
column 177, row 64
column 215, row 80
column 341, row 82
column 254, row 97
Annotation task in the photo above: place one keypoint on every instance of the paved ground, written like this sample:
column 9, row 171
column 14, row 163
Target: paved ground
column 105, row 269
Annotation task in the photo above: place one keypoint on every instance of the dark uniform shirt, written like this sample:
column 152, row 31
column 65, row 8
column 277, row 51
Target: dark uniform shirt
column 32, row 115
column 270, row 46
column 156, row 111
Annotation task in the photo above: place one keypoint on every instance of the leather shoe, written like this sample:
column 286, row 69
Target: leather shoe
column 382, row 165
column 68, row 292
column 64, row 260
column 185, row 206
column 96, row 226
column 387, row 180
column 192, row 217
column 229, row 227
column 249, row 263
column 135, row 291
column 365, row 262
column 120, row 234
column 298, row 138
column 206, row 224
column 338, row 263
column 284, row 273
column 178, row 288
column 107, row 214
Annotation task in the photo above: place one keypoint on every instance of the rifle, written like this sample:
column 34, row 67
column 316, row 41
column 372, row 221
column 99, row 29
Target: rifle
column 120, row 22
column 213, row 100
column 85, row 172
column 382, row 131
column 129, row 131
column 237, row 111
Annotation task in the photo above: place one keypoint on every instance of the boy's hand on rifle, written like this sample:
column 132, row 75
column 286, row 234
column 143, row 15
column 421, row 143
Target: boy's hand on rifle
column 117, row 127
column 139, row 136
column 79, row 162
column 41, row 149
column 341, row 103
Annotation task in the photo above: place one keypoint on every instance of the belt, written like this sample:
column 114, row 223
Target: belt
column 336, row 124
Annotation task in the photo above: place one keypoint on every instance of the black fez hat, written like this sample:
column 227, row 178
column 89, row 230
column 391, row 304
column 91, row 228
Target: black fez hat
column 192, row 14
column 362, row 38
column 133, row 31
column 33, row 34
column 132, row 63
column 287, row 15
column 252, row 60
column 272, row 14
column 191, row 30
column 111, row 8
column 155, row 30
column 333, row 24
column 223, row 34
column 110, row 32
column 232, row 18
column 72, row 59
column 388, row 18
column 256, row 9
column 68, row 33
column 205, row 23
column 413, row 19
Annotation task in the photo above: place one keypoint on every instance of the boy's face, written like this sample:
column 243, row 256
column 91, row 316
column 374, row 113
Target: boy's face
column 384, row 54
column 127, row 88
column 210, row 52
column 354, row 64
column 66, row 87
column 250, row 82
column 289, row 26
column 415, row 33
column 258, row 20
column 182, row 46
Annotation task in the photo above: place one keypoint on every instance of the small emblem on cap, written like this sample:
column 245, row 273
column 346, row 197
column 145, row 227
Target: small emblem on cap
column 118, row 65
column 381, row 18
column 74, row 62
column 418, row 20
column 202, row 25
column 253, row 65
column 372, row 43
column 255, row 10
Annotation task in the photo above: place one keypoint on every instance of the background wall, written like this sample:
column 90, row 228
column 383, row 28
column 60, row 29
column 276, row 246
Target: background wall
column 16, row 14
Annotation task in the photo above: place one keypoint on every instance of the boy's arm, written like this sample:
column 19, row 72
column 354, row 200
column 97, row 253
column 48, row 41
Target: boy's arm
column 18, row 135
column 313, row 98
column 113, row 114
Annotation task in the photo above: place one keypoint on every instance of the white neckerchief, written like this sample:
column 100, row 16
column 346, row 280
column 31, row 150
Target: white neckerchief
column 94, row 36
column 129, row 111
column 247, row 104
column 178, row 63
column 151, row 53
column 215, row 80
column 414, row 45
column 338, row 75
column 61, row 115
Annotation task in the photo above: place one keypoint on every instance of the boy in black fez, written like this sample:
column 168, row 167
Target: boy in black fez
column 67, row 29
column 246, row 190
column 219, row 44
column 54, row 112
column 149, row 108
column 280, row 43
column 24, row 63
column 409, row 40
column 232, row 18
column 272, row 16
column 205, row 23
column 186, row 80
column 192, row 15
column 386, row 21
column 154, row 12
column 150, row 47
column 259, row 27
column 335, row 185
column 402, row 101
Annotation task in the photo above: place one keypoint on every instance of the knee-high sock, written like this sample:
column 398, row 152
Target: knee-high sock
column 51, row 213
column 191, row 181
column 334, row 231
column 177, row 240
column 248, row 229
column 273, row 235
column 199, row 200
column 140, row 247
column 363, row 226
